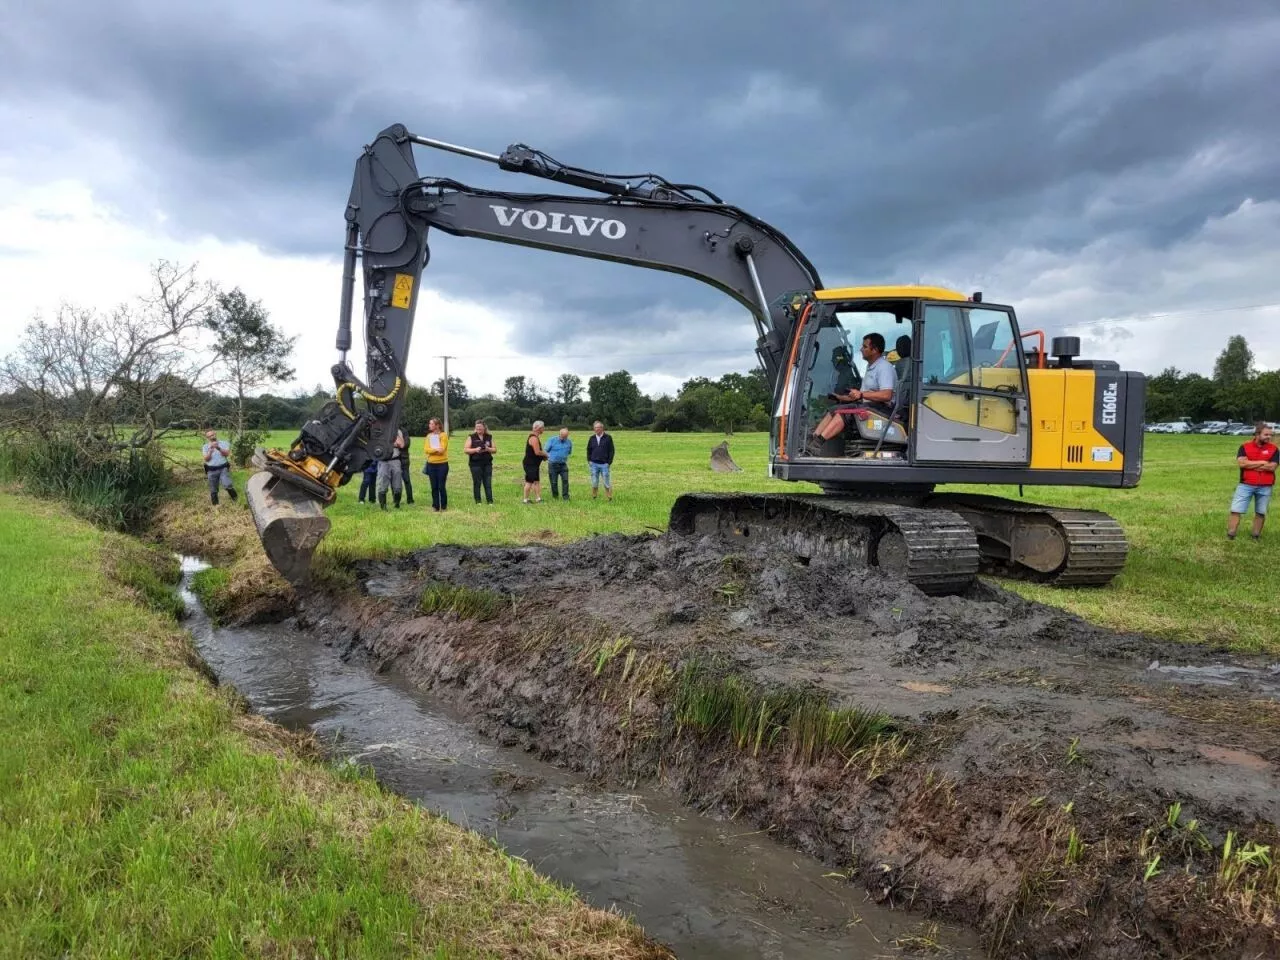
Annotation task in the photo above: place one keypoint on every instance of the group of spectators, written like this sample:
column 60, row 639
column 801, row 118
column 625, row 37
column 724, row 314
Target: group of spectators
column 393, row 475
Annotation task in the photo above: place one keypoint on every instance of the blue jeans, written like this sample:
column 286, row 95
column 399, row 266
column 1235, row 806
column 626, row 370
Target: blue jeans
column 558, row 471
column 1261, row 496
column 599, row 471
column 437, row 473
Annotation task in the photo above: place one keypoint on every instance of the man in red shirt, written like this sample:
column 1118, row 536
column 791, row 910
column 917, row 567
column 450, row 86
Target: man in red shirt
column 1258, row 459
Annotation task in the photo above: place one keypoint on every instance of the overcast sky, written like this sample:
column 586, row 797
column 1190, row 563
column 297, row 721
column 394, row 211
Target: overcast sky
column 1111, row 169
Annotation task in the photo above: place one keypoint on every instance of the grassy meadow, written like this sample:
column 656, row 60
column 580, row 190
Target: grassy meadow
column 144, row 814
column 1184, row 580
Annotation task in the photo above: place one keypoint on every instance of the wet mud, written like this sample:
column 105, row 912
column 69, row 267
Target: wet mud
column 1065, row 790
column 701, row 886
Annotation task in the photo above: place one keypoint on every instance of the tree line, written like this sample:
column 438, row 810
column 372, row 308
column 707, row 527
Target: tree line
column 187, row 354
column 1237, row 390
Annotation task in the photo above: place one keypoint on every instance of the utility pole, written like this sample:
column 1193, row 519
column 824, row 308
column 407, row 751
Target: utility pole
column 445, row 392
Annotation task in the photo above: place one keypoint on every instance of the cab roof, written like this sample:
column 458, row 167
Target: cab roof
column 902, row 292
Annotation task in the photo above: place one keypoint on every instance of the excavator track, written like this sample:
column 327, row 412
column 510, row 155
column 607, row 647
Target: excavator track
column 1052, row 545
column 934, row 549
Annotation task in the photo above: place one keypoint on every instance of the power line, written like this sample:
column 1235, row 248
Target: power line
column 1172, row 313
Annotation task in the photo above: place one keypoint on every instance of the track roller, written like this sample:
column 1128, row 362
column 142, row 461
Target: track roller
column 1052, row 545
column 932, row 548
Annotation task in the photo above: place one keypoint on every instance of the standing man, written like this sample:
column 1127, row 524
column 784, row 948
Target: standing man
column 402, row 441
column 217, row 468
column 599, row 459
column 1257, row 459
column 391, row 474
column 559, row 448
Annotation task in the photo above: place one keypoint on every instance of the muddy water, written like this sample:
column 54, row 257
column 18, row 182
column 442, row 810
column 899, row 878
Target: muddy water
column 709, row 889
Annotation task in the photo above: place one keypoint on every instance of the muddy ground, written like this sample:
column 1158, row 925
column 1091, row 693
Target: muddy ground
column 1065, row 789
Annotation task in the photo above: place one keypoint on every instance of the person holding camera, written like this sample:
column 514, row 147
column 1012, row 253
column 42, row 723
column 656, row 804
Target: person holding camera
column 217, row 468
column 480, row 449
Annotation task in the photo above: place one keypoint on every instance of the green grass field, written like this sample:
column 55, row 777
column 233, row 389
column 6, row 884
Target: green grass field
column 143, row 814
column 1184, row 580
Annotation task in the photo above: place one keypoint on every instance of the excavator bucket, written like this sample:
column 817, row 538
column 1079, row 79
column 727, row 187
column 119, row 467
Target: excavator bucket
column 290, row 523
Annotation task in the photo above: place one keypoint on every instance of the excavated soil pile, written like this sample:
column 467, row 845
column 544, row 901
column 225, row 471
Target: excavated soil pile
column 1067, row 790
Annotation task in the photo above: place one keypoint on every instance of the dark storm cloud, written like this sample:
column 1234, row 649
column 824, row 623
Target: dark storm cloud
column 892, row 142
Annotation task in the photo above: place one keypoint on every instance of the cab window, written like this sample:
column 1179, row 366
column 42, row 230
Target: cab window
column 945, row 356
column 992, row 334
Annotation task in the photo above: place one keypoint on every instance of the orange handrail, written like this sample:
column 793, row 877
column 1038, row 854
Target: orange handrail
column 786, row 383
column 1023, row 336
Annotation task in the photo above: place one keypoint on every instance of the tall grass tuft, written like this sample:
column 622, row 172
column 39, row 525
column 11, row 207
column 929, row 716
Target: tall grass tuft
column 712, row 701
column 115, row 489
column 466, row 603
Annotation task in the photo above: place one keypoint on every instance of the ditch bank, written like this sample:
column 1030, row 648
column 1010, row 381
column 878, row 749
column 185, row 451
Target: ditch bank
column 1064, row 790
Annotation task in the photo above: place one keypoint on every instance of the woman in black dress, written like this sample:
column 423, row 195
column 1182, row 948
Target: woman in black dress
column 533, row 457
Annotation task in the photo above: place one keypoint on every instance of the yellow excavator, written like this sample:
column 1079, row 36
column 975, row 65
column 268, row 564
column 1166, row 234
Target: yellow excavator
column 977, row 400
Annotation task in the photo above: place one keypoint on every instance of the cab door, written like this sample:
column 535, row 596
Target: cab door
column 970, row 398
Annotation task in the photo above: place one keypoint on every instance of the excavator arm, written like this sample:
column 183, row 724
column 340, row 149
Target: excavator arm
column 643, row 220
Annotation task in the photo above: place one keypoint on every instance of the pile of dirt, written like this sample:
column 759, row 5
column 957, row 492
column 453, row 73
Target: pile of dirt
column 1065, row 789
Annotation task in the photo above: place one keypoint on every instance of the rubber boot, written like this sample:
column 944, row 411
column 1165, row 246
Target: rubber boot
column 396, row 498
column 231, row 492
column 382, row 499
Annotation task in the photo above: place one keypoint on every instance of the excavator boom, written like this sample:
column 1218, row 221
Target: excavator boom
column 643, row 220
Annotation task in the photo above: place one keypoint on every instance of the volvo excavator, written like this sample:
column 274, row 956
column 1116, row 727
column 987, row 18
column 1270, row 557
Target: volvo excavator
column 978, row 401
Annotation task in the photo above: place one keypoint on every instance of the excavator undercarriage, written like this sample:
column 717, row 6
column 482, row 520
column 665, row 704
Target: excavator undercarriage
column 939, row 542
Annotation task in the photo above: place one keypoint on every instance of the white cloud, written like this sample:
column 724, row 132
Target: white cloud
column 61, row 244
column 1180, row 302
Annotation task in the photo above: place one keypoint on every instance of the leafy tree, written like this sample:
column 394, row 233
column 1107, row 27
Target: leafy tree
column 1235, row 363
column 521, row 391
column 254, row 352
column 569, row 388
column 729, row 407
column 754, row 386
column 615, row 398
column 419, row 407
column 458, row 395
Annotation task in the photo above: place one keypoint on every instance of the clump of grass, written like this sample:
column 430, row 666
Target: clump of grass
column 115, row 489
column 212, row 588
column 467, row 603
column 1075, row 848
column 712, row 702
column 152, row 575
column 1249, row 875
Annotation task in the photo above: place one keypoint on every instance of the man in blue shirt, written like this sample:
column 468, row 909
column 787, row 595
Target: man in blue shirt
column 558, row 449
column 879, row 388
column 217, row 468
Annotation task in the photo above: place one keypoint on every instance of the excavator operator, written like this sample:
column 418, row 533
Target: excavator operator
column 879, row 387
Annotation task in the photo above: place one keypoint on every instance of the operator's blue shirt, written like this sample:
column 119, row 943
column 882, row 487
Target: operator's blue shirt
column 558, row 450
